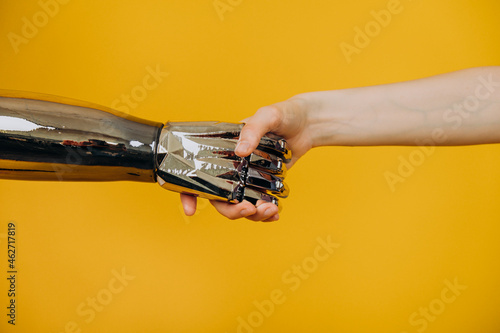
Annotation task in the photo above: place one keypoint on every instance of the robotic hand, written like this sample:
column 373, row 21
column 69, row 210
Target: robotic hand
column 49, row 138
column 199, row 158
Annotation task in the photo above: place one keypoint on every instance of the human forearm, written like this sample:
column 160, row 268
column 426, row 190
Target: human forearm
column 458, row 108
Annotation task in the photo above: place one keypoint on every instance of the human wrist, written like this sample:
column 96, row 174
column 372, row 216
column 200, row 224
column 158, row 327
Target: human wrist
column 335, row 117
column 363, row 116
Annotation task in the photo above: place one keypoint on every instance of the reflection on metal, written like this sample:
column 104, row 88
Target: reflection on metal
column 199, row 158
column 49, row 138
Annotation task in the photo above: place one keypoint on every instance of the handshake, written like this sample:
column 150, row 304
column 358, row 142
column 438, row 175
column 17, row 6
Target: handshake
column 51, row 138
column 199, row 158
column 240, row 168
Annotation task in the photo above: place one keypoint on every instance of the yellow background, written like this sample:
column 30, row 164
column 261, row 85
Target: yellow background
column 201, row 274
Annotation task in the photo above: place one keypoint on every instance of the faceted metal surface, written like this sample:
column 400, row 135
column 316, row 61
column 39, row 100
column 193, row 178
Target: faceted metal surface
column 198, row 158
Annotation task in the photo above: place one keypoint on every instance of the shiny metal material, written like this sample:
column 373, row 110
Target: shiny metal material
column 51, row 138
column 198, row 158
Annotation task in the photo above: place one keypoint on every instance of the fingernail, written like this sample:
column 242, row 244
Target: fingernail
column 244, row 212
column 268, row 213
column 242, row 146
column 186, row 209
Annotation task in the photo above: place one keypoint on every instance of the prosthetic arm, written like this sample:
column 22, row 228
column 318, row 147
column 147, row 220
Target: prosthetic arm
column 51, row 138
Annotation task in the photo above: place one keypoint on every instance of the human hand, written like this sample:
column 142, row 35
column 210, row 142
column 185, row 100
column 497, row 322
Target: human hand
column 288, row 119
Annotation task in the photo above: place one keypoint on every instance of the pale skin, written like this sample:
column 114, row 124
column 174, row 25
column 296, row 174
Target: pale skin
column 458, row 108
